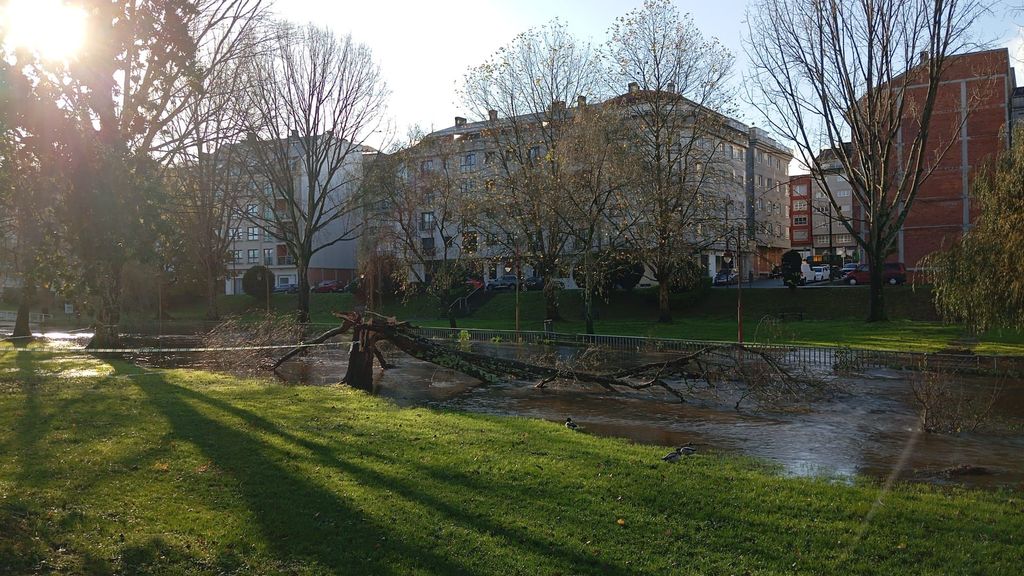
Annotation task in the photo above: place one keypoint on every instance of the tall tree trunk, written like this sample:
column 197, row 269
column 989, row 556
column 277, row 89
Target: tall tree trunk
column 664, row 310
column 302, row 313
column 551, row 299
column 876, row 302
column 107, row 329
column 212, row 291
column 21, row 323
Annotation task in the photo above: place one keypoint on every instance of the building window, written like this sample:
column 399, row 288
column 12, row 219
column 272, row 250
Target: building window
column 787, row 232
column 800, row 190
column 428, row 246
column 800, row 205
column 236, row 256
column 842, row 193
column 284, row 280
column 844, row 239
column 468, row 162
column 760, row 204
column 800, row 221
column 800, row 235
column 770, row 183
column 821, row 240
column 268, row 257
column 427, row 166
column 267, row 236
column 760, row 180
column 819, row 194
column 469, row 242
column 787, row 211
column 252, row 209
column 427, row 221
column 235, row 233
column 534, row 152
column 253, row 233
column 253, row 256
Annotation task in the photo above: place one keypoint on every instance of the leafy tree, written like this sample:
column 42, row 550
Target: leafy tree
column 977, row 280
column 257, row 282
column 792, row 263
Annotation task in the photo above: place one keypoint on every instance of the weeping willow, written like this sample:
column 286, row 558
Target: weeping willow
column 978, row 282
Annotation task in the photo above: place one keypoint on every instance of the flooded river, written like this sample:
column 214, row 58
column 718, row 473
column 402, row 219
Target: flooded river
column 870, row 428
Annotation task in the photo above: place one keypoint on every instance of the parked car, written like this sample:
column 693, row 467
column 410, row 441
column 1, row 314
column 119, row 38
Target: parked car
column 474, row 283
column 847, row 268
column 329, row 286
column 506, row 282
column 726, row 277
column 820, row 273
column 894, row 273
column 291, row 288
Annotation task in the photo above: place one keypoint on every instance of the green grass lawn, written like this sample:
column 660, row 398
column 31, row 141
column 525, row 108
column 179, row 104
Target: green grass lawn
column 109, row 468
column 832, row 317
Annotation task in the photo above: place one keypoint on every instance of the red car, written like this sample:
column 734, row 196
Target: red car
column 894, row 273
column 329, row 286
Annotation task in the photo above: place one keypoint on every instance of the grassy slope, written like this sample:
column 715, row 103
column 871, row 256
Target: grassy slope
column 186, row 472
column 832, row 316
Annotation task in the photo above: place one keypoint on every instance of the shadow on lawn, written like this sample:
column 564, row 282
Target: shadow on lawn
column 301, row 520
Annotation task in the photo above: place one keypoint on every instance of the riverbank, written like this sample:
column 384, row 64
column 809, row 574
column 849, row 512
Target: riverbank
column 827, row 316
column 112, row 467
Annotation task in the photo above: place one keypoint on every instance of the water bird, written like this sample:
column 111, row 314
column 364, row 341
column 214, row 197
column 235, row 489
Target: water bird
column 679, row 452
column 571, row 425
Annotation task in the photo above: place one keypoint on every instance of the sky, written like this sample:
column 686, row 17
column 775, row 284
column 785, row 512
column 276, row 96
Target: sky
column 425, row 47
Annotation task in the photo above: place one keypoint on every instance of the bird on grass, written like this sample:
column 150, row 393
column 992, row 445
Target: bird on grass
column 571, row 425
column 678, row 453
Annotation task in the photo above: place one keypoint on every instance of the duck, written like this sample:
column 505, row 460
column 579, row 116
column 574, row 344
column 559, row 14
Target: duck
column 571, row 425
column 678, row 453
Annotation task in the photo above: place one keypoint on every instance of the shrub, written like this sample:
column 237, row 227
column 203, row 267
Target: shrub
column 257, row 282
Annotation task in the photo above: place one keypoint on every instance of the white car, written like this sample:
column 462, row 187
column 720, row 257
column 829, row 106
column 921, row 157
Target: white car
column 820, row 273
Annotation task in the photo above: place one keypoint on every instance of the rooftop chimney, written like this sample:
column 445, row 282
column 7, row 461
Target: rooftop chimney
column 923, row 56
column 557, row 107
column 634, row 87
column 492, row 115
column 460, row 121
column 581, row 101
column 294, row 134
column 670, row 87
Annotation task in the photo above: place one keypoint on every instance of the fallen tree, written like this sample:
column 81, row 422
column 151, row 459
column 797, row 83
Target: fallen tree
column 761, row 371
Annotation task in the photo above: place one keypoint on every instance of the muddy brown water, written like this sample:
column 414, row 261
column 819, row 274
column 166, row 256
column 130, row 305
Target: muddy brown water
column 870, row 428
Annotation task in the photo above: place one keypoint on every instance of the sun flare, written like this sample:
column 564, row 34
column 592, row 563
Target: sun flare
column 51, row 28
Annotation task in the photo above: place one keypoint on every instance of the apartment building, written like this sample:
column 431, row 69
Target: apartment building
column 255, row 241
column 817, row 224
column 752, row 192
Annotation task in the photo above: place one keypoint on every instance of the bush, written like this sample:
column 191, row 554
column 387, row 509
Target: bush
column 257, row 282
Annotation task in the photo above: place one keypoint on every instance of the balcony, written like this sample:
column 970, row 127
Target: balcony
column 285, row 261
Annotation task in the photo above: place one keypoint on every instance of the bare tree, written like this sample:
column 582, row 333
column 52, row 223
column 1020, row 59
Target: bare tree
column 675, row 105
column 861, row 79
column 205, row 183
column 422, row 200
column 599, row 177
column 522, row 90
column 315, row 99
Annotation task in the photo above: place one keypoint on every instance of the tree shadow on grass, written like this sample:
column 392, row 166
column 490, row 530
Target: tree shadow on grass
column 299, row 520
column 525, row 542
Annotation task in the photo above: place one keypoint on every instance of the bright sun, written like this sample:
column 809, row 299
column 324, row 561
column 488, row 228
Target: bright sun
column 51, row 28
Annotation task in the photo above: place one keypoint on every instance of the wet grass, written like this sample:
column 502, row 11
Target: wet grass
column 117, row 469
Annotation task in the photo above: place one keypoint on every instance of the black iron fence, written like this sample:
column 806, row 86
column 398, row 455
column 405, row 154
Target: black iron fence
column 827, row 357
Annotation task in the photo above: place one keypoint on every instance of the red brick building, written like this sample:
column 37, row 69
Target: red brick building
column 972, row 115
column 801, row 237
